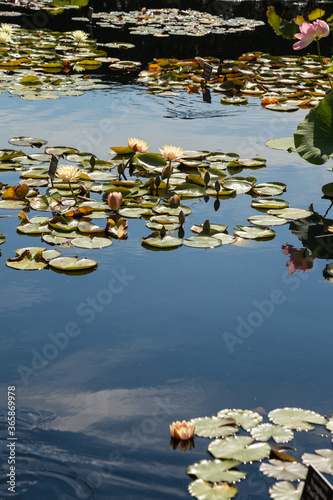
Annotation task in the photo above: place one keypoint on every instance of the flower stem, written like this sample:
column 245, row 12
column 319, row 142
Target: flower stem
column 70, row 185
column 322, row 64
column 167, row 186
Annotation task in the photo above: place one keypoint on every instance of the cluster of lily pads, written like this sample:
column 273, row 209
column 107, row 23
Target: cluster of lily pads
column 40, row 65
column 284, row 83
column 216, row 478
column 155, row 191
column 166, row 22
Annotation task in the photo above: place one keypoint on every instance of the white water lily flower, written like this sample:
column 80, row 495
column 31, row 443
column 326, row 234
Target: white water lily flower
column 171, row 152
column 6, row 28
column 79, row 36
column 68, row 173
column 5, row 37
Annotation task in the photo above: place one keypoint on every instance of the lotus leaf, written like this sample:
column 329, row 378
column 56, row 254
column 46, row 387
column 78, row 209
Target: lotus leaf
column 202, row 490
column 239, row 448
column 284, row 490
column 296, row 418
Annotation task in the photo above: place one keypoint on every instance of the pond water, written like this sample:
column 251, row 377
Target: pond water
column 103, row 362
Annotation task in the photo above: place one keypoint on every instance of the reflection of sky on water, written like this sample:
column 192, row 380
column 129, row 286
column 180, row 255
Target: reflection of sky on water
column 162, row 336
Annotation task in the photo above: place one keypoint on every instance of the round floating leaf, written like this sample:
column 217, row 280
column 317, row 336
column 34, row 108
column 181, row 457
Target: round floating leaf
column 151, row 159
column 267, row 220
column 60, row 150
column 87, row 227
column 264, row 432
column 31, row 228
column 327, row 189
column 240, row 185
column 254, row 233
column 214, row 427
column 284, row 490
column 245, row 418
column 296, row 418
column 286, row 108
column 87, row 242
column 234, row 100
column 284, row 143
column 202, row 490
column 323, row 461
column 2, row 238
column 202, row 242
column 162, row 243
column 188, row 190
column 216, row 471
column 268, row 203
column 27, row 141
column 270, row 188
column 226, row 239
column 213, row 229
column 28, row 262
column 329, row 424
column 40, row 203
column 239, row 448
column 46, row 254
column 133, row 213
column 72, row 264
column 285, row 471
column 51, row 239
column 163, row 209
column 290, row 213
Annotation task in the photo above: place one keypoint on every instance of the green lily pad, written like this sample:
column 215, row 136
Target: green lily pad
column 226, row 239
column 27, row 262
column 60, row 150
column 12, row 204
column 51, row 239
column 264, row 432
column 267, row 220
column 188, row 190
column 2, row 238
column 134, row 213
column 239, row 184
column 162, row 243
column 31, row 228
column 284, row 143
column 72, row 264
column 286, row 471
column 254, row 233
column 213, row 229
column 163, row 209
column 322, row 461
column 327, row 189
column 296, row 418
column 46, row 254
column 151, row 160
column 239, row 448
column 216, row 471
column 213, row 427
column 270, row 188
column 86, row 242
column 245, row 418
column 63, row 225
column 267, row 203
column 329, row 424
column 202, row 242
column 40, row 203
column 284, row 108
column 202, row 490
column 27, row 141
column 284, row 490
column 290, row 213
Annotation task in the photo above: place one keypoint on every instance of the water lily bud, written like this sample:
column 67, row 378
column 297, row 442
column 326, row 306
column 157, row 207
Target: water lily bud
column 92, row 161
column 207, row 178
column 115, row 200
column 157, row 181
column 174, row 200
column 217, row 187
column 167, row 171
column 181, row 217
column 162, row 232
column 121, row 168
column 206, row 226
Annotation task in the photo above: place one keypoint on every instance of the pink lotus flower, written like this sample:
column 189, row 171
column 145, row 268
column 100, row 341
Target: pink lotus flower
column 310, row 32
column 182, row 430
column 115, row 200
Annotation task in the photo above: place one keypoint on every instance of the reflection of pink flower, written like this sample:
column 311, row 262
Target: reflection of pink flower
column 310, row 32
column 182, row 430
column 300, row 260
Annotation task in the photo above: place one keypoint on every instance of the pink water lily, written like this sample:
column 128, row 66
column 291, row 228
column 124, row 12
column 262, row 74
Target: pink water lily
column 310, row 32
column 182, row 430
column 115, row 200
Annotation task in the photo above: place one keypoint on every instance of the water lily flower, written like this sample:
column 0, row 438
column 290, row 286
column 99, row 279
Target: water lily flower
column 115, row 200
column 5, row 37
column 182, row 430
column 68, row 173
column 171, row 152
column 137, row 145
column 79, row 36
column 310, row 32
column 6, row 28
